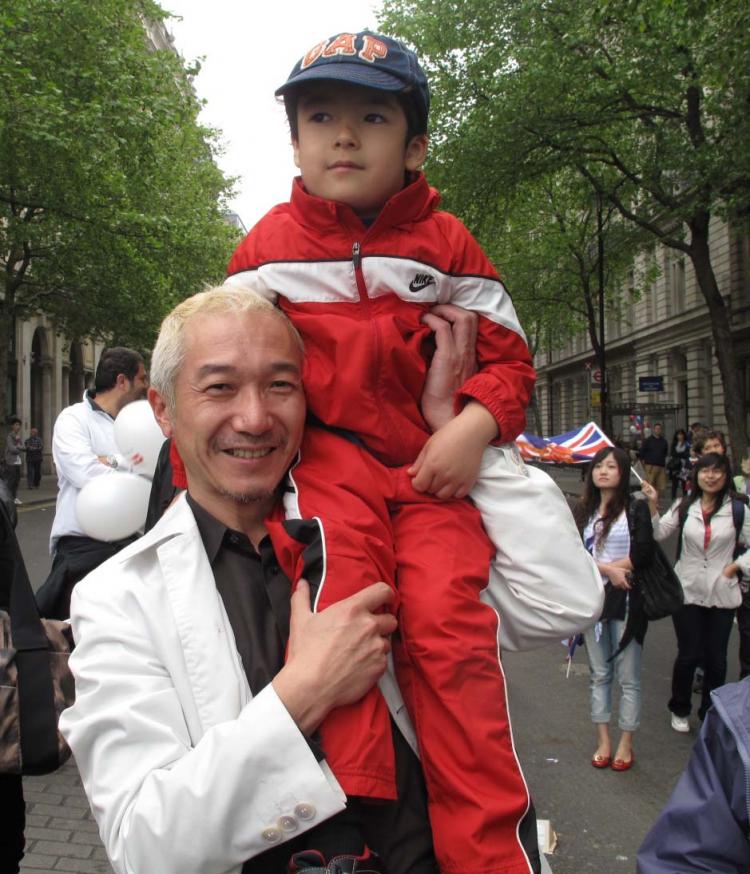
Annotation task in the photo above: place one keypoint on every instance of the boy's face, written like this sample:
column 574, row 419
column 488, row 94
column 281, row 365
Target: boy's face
column 351, row 145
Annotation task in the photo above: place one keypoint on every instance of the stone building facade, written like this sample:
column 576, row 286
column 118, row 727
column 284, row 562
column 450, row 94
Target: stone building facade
column 48, row 373
column 661, row 341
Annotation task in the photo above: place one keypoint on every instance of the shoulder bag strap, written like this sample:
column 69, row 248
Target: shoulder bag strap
column 36, row 700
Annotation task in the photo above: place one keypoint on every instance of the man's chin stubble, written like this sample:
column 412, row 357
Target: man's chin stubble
column 247, row 497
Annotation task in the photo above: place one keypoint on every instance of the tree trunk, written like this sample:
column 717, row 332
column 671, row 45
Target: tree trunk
column 6, row 325
column 536, row 418
column 734, row 407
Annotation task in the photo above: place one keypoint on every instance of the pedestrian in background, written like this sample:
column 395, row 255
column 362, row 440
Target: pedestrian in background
column 34, row 449
column 84, row 448
column 709, row 576
column 13, row 458
column 602, row 518
column 653, row 453
column 713, row 441
column 678, row 466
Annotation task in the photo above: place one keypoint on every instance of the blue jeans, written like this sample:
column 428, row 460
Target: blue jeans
column 627, row 666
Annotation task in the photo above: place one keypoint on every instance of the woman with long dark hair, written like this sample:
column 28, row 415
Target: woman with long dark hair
column 678, row 464
column 618, row 545
column 709, row 576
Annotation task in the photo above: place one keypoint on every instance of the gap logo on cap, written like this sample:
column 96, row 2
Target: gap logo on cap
column 372, row 49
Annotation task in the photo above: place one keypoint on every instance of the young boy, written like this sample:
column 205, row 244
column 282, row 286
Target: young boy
column 356, row 259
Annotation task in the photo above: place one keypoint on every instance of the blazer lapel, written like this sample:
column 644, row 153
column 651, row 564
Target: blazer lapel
column 213, row 665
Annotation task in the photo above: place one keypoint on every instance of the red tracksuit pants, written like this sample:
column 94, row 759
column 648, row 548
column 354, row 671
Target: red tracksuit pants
column 351, row 522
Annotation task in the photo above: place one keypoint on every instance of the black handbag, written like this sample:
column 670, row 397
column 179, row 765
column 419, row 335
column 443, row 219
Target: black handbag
column 660, row 587
column 35, row 681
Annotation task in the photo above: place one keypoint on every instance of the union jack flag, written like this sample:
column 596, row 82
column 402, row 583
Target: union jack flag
column 572, row 447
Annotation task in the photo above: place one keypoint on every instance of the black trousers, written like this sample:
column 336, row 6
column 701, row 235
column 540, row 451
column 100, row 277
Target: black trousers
column 702, row 639
column 75, row 557
column 12, row 823
column 743, row 623
column 13, row 477
column 33, row 472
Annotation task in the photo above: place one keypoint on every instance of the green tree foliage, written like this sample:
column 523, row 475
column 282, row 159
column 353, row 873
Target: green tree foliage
column 549, row 242
column 110, row 197
column 647, row 100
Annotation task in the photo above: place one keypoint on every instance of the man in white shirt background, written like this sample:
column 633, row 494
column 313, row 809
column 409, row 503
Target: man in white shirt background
column 83, row 447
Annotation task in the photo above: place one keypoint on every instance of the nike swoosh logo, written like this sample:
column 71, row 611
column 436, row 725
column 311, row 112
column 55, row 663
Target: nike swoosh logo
column 417, row 285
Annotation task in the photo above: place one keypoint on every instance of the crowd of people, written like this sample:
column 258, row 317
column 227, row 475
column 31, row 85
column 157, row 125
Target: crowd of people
column 324, row 718
column 704, row 825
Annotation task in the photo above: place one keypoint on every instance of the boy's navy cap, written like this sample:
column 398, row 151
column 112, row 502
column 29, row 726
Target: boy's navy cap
column 364, row 58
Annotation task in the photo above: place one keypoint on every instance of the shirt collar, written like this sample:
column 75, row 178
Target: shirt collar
column 413, row 202
column 89, row 395
column 214, row 533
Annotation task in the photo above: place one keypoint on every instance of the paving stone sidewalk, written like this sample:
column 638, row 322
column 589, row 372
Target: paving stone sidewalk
column 61, row 834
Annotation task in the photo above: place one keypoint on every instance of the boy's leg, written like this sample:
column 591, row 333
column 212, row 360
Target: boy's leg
column 337, row 535
column 448, row 665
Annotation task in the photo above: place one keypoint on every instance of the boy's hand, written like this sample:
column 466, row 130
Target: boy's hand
column 448, row 464
column 452, row 364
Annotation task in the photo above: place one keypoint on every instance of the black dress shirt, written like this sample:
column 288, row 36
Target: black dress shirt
column 256, row 595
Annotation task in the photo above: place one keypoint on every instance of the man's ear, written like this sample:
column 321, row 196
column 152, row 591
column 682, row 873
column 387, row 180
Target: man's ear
column 295, row 148
column 416, row 152
column 161, row 413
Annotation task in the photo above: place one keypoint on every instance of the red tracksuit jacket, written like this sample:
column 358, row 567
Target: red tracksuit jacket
column 356, row 295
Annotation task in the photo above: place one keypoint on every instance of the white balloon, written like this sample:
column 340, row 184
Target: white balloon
column 136, row 430
column 113, row 506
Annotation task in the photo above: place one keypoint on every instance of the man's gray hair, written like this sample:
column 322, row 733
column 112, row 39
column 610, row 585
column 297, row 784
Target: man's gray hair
column 169, row 352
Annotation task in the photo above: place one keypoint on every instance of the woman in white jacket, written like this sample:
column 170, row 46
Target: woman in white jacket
column 709, row 576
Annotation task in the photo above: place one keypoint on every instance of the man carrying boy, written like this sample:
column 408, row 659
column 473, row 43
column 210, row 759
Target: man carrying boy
column 357, row 259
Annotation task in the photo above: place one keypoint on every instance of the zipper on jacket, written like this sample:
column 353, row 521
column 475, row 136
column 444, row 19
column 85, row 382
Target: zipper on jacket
column 358, row 275
column 389, row 427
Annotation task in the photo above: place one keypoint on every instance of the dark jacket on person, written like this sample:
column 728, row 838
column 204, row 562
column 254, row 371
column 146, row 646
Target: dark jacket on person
column 616, row 601
column 34, row 449
column 705, row 825
column 654, row 450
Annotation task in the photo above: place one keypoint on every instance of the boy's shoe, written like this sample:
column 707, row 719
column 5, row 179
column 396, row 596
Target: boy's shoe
column 680, row 723
column 17, row 502
column 313, row 862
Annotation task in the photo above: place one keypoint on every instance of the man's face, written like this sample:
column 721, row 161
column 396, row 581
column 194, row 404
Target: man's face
column 657, row 430
column 34, row 432
column 351, row 145
column 135, row 388
column 15, row 427
column 239, row 411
